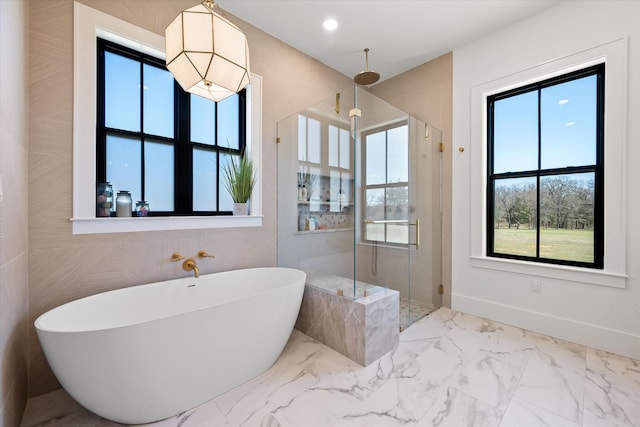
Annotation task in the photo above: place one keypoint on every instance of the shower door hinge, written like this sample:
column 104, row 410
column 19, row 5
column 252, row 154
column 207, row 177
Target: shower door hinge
column 441, row 147
column 278, row 140
column 440, row 290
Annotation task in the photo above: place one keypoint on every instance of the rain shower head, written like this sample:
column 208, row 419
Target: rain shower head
column 366, row 77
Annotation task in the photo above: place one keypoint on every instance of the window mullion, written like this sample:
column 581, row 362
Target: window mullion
column 101, row 133
column 386, row 179
column 142, row 138
column 538, row 174
column 218, row 157
column 183, row 157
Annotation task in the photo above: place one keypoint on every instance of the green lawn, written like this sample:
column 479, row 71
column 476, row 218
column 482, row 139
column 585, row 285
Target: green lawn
column 573, row 245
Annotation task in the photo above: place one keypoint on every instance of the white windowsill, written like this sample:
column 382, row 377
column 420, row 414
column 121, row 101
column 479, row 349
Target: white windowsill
column 560, row 272
column 133, row 224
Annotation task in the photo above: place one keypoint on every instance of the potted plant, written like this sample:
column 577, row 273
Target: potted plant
column 239, row 181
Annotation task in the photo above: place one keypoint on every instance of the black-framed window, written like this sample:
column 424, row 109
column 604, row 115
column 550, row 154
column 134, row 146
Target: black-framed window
column 545, row 181
column 162, row 144
column 386, row 189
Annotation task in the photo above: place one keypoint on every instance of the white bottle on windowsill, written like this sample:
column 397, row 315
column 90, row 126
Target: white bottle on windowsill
column 123, row 204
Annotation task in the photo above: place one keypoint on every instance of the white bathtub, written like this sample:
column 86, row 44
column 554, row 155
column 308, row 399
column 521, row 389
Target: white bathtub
column 148, row 352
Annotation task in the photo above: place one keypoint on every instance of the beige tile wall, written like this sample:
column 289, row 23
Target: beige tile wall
column 63, row 267
column 13, row 211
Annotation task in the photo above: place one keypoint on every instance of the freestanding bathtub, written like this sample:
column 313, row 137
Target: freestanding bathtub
column 149, row 352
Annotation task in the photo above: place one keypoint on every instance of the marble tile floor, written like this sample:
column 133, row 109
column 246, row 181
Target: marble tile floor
column 412, row 310
column 449, row 369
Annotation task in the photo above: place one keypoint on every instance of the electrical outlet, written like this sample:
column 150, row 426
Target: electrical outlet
column 536, row 286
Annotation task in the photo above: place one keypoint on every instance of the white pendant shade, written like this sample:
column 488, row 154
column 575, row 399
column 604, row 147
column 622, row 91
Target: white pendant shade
column 207, row 55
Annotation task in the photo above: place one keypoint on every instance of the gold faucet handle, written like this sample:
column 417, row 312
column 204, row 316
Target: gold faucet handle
column 176, row 257
column 204, row 254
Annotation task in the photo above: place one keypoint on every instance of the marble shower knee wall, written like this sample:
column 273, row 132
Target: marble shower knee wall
column 363, row 329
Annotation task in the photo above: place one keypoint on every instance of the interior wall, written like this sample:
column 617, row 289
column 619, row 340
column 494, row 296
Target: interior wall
column 425, row 92
column 13, row 210
column 599, row 316
column 64, row 267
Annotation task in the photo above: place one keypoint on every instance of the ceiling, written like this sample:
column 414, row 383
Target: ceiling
column 401, row 34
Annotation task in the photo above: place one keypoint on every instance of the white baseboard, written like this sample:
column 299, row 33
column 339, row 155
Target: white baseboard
column 613, row 341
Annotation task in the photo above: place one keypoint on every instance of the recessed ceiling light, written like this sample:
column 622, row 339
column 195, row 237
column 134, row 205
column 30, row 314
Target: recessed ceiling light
column 563, row 101
column 330, row 24
column 570, row 123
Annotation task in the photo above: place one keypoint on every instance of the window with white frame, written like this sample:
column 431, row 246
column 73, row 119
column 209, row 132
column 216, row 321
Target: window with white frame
column 89, row 26
column 545, row 193
column 386, row 184
column 613, row 272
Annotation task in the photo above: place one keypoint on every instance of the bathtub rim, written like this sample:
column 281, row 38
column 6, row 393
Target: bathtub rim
column 177, row 282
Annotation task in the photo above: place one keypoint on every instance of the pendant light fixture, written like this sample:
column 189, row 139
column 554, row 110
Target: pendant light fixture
column 207, row 54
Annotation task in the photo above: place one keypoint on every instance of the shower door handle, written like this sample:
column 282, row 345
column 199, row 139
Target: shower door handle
column 417, row 224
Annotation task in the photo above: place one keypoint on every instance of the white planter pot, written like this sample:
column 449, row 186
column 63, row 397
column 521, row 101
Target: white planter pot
column 240, row 209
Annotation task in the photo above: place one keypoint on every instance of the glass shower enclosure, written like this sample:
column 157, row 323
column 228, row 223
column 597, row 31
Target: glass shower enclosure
column 359, row 187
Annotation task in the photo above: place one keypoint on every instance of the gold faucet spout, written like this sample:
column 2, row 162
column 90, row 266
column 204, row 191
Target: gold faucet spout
column 190, row 265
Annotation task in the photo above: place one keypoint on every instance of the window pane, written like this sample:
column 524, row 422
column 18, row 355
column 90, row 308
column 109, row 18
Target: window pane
column 376, row 158
column 515, row 133
column 228, row 123
column 121, row 92
column 158, row 101
column 347, row 186
column 124, row 170
column 397, row 207
column 568, row 123
column 567, row 217
column 345, row 149
column 398, row 154
column 313, row 141
column 515, row 216
column 334, row 146
column 374, row 232
column 226, row 201
column 204, row 180
column 398, row 233
column 203, row 120
column 375, row 211
column 158, row 176
column 375, row 204
column 302, row 138
column 336, row 197
column 314, row 189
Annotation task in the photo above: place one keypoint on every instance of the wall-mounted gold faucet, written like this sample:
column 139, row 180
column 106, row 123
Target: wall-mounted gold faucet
column 190, row 265
column 204, row 254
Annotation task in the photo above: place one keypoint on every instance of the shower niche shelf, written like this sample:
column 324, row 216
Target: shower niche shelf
column 324, row 219
column 328, row 205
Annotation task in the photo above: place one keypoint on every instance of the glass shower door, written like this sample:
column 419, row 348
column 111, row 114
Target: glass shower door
column 397, row 206
column 385, row 230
